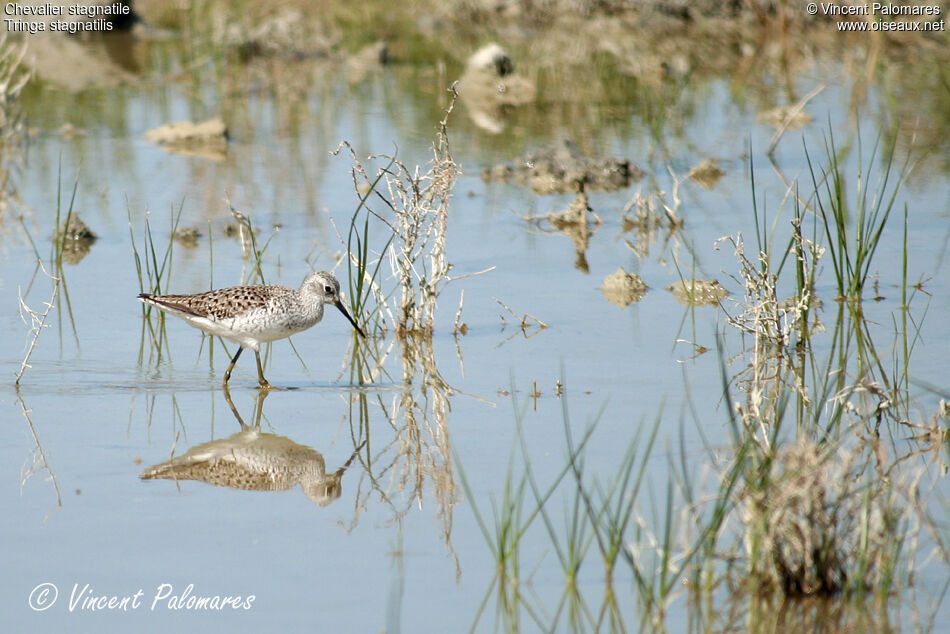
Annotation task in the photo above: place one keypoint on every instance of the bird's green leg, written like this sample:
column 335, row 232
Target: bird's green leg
column 260, row 372
column 227, row 375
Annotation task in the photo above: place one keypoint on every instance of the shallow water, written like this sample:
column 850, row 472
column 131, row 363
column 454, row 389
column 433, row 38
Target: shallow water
column 400, row 547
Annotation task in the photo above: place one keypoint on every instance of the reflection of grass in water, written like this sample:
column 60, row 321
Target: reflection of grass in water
column 40, row 461
column 417, row 454
column 606, row 515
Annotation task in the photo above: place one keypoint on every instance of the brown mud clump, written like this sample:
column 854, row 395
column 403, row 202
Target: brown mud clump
column 788, row 117
column 76, row 238
column 563, row 167
column 187, row 236
column 698, row 292
column 578, row 222
column 706, row 174
column 622, row 289
column 208, row 139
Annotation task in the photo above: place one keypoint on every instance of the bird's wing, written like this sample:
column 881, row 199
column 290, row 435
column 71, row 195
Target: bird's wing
column 218, row 304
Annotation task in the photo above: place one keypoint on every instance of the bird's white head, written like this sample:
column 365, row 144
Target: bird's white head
column 324, row 288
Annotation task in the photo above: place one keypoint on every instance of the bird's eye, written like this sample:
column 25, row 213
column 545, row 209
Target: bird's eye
column 328, row 290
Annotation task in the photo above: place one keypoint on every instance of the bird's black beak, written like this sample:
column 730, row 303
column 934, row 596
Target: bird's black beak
column 339, row 305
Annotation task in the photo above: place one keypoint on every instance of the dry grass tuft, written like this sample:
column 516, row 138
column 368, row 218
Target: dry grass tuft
column 767, row 379
column 417, row 219
column 818, row 527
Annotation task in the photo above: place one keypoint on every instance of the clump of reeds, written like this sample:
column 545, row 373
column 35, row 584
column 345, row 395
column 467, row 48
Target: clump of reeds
column 853, row 232
column 417, row 217
column 153, row 266
column 420, row 203
column 402, row 218
column 413, row 228
column 822, row 510
column 608, row 524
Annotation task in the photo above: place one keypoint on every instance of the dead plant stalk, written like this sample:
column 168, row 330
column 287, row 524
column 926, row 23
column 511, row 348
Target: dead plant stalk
column 37, row 321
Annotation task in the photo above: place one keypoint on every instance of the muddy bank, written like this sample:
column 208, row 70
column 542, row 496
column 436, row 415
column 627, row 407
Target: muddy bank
column 571, row 53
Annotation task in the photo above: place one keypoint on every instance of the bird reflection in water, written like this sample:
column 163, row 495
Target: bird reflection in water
column 255, row 461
